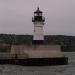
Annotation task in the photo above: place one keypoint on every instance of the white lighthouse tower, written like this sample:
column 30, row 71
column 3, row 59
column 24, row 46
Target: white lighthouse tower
column 38, row 21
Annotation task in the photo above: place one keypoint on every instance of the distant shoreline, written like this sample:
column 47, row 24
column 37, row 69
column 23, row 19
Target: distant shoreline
column 67, row 42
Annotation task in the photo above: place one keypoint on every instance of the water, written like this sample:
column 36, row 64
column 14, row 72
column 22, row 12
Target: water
column 41, row 70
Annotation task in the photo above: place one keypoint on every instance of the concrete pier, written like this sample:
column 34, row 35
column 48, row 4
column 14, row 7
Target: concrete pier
column 34, row 55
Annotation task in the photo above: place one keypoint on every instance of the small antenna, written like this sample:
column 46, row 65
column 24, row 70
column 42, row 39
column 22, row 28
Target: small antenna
column 38, row 8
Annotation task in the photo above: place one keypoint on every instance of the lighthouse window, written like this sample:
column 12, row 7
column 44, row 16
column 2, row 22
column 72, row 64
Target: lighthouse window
column 40, row 14
column 35, row 15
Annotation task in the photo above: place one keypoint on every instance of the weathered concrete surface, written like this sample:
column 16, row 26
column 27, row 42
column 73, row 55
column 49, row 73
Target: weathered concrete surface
column 33, row 51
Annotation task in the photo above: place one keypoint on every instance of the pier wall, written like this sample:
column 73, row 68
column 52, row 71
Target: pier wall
column 33, row 51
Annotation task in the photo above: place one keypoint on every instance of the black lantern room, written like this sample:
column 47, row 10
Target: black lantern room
column 38, row 16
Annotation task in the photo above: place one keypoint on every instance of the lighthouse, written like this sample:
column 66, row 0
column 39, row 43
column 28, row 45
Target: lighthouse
column 38, row 21
column 38, row 53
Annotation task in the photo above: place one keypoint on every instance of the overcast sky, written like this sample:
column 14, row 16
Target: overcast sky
column 16, row 16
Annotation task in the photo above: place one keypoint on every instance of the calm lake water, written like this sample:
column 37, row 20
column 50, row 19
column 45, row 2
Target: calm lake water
column 41, row 70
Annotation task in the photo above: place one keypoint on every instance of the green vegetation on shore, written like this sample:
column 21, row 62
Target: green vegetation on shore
column 67, row 42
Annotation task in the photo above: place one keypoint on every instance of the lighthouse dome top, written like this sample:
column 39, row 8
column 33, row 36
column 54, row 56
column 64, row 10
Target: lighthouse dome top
column 38, row 11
